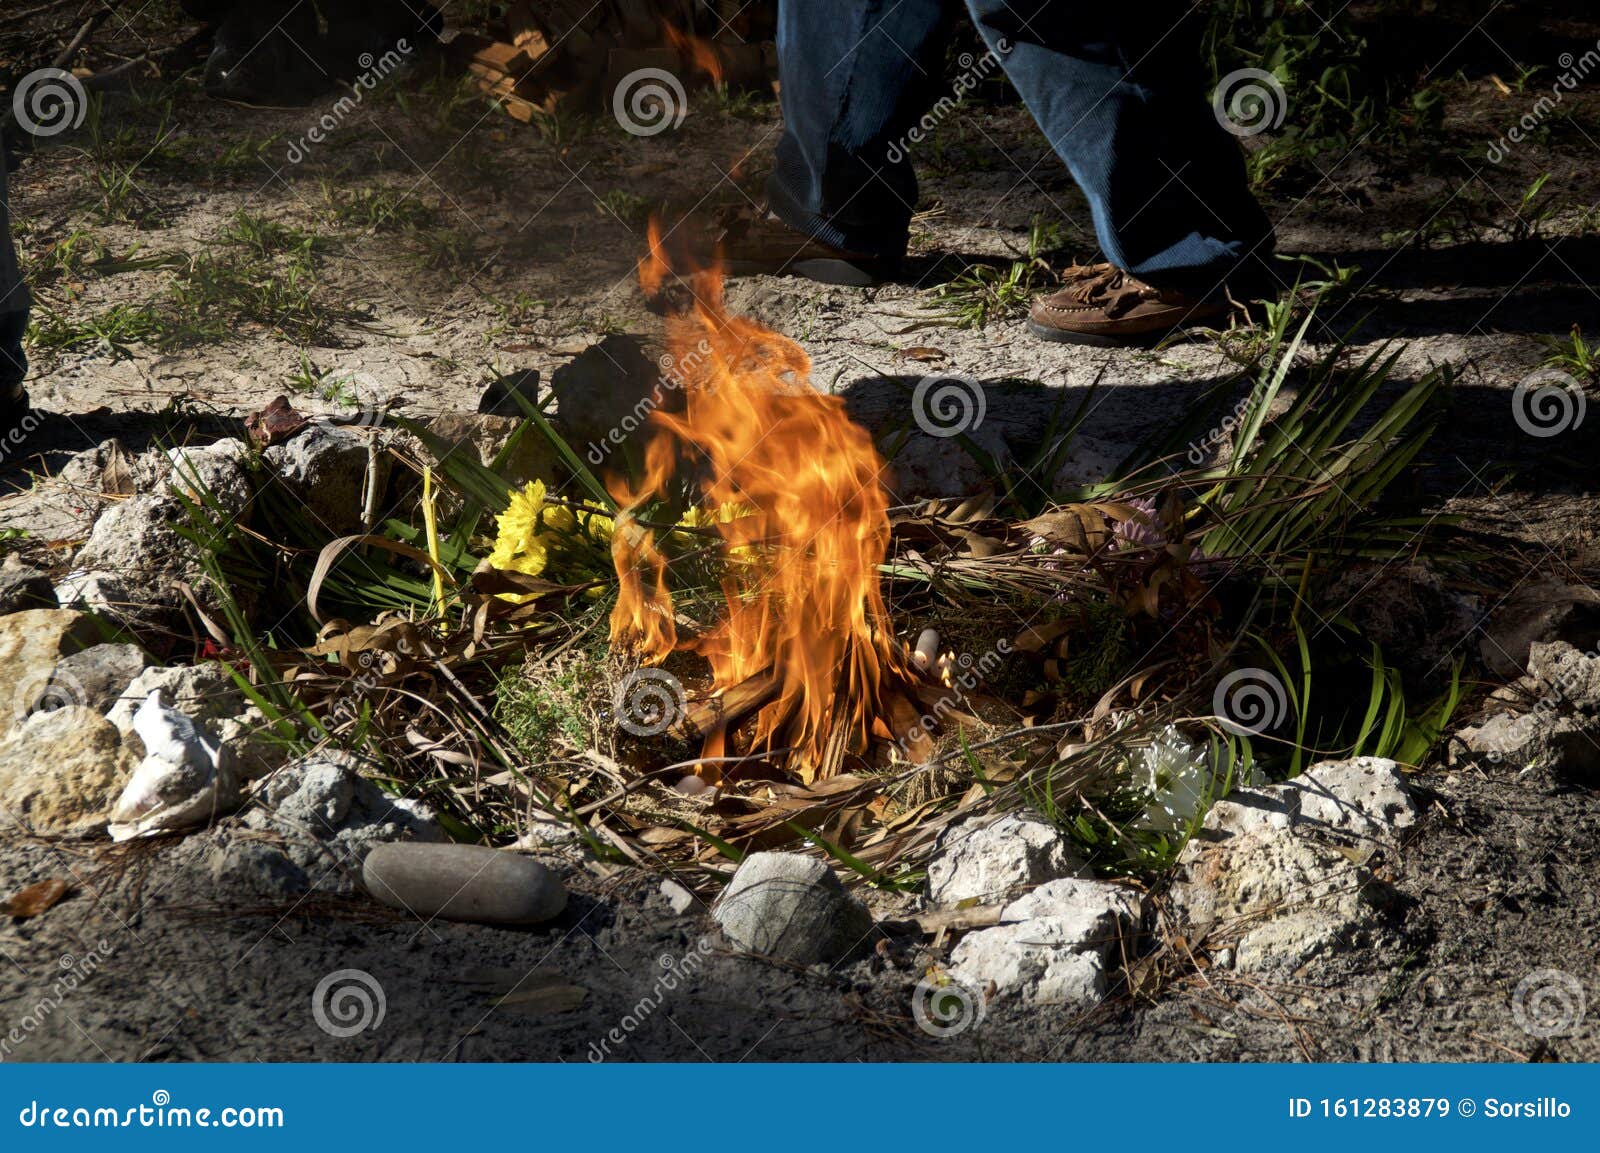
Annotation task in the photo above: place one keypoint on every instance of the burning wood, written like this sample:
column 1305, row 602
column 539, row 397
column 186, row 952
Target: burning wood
column 553, row 52
column 794, row 489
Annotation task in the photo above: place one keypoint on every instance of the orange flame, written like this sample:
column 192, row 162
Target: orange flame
column 793, row 488
column 702, row 54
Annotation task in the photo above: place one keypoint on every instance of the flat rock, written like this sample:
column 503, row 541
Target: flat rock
column 792, row 907
column 464, row 883
column 989, row 860
column 59, row 773
column 1060, row 944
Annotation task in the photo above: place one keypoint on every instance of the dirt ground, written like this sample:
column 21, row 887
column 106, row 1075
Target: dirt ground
column 521, row 250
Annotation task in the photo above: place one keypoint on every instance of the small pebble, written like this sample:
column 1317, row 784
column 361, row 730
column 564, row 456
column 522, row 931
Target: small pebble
column 463, row 883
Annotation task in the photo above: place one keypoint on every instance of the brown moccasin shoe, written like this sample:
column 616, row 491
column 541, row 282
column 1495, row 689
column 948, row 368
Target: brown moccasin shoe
column 1103, row 305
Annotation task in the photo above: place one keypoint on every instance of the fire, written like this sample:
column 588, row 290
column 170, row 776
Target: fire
column 701, row 54
column 793, row 488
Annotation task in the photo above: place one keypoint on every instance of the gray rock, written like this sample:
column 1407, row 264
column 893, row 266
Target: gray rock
column 792, row 907
column 331, row 817
column 256, row 868
column 1058, row 945
column 98, row 592
column 464, row 883
column 1365, row 797
column 1544, row 739
column 1542, row 609
column 989, row 860
column 216, row 472
column 1277, row 873
column 137, row 541
column 1568, row 677
column 97, row 676
column 204, row 692
column 325, row 467
column 24, row 587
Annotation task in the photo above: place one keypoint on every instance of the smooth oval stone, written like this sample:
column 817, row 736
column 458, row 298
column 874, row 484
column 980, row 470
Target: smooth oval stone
column 463, row 883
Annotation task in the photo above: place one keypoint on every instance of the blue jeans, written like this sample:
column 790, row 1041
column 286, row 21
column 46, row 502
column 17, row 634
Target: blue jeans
column 13, row 302
column 1115, row 85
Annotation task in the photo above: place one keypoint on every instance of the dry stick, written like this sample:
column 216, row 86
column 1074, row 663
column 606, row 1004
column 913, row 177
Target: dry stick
column 705, row 717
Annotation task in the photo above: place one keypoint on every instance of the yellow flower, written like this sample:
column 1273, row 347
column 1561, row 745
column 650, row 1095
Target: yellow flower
column 518, row 547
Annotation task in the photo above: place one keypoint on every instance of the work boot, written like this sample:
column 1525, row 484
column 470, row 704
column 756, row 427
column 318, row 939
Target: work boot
column 759, row 244
column 1101, row 304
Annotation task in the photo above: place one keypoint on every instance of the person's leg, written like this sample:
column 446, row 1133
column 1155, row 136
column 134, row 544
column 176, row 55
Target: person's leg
column 857, row 75
column 13, row 310
column 1119, row 92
